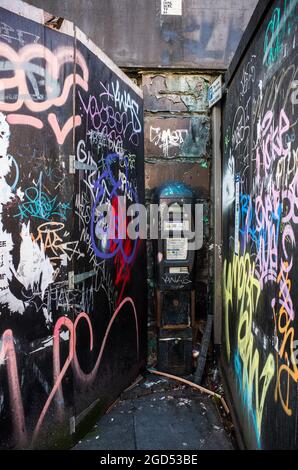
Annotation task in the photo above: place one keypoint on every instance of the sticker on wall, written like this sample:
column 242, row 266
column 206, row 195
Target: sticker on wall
column 237, row 209
column 178, row 270
column 171, row 7
column 177, row 248
column 215, row 91
column 176, row 226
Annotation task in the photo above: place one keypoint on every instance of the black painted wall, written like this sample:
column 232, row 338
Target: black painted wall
column 260, row 231
column 72, row 306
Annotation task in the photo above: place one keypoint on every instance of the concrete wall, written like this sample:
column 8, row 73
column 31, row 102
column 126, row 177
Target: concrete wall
column 260, row 231
column 135, row 34
column 72, row 306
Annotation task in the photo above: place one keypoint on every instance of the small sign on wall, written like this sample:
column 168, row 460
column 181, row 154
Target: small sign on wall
column 237, row 213
column 215, row 91
column 177, row 248
column 171, row 7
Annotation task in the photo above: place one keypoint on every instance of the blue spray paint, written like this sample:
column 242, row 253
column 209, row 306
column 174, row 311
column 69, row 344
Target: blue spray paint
column 108, row 177
column 246, row 393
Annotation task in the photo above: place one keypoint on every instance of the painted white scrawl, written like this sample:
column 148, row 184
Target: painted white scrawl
column 34, row 269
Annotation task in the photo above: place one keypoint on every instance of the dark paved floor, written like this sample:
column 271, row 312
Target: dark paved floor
column 159, row 415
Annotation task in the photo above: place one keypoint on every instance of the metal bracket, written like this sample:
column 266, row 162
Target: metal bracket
column 72, row 167
column 71, row 280
column 72, row 425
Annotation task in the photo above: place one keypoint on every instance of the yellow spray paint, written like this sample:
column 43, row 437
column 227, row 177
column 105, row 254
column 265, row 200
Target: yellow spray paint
column 286, row 358
column 241, row 295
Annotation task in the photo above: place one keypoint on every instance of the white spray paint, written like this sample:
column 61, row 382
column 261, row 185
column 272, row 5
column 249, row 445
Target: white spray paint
column 228, row 184
column 34, row 267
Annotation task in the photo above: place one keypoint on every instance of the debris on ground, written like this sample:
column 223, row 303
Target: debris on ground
column 136, row 421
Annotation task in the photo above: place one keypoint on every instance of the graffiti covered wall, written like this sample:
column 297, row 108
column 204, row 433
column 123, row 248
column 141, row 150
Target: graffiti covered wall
column 260, row 233
column 72, row 308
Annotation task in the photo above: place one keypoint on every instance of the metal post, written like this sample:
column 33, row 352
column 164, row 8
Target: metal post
column 217, row 221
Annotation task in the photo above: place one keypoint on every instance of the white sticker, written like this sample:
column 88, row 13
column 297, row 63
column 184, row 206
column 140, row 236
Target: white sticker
column 171, row 7
column 215, row 91
column 178, row 270
column 175, row 226
column 177, row 248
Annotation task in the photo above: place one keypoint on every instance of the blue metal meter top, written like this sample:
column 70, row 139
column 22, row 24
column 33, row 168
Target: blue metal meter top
column 174, row 189
column 174, row 260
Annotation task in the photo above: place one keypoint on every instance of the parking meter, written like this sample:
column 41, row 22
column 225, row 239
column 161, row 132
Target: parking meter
column 175, row 261
column 180, row 235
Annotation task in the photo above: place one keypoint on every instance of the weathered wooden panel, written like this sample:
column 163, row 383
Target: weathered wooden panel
column 194, row 174
column 175, row 92
column 177, row 136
